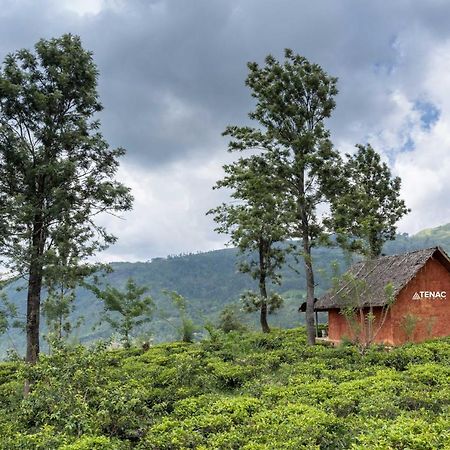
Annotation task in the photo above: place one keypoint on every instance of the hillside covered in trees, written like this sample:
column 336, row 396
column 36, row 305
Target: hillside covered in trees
column 210, row 281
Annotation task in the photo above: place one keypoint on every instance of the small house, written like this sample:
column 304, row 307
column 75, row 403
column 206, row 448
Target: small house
column 407, row 296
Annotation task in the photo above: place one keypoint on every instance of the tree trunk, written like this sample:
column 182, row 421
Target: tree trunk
column 60, row 325
column 34, row 292
column 310, row 320
column 127, row 339
column 33, row 316
column 263, row 311
column 304, row 232
column 33, row 312
column 263, row 290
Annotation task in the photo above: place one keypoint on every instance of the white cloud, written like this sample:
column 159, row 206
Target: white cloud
column 88, row 7
column 169, row 214
column 425, row 170
column 81, row 7
column 420, row 156
column 171, row 200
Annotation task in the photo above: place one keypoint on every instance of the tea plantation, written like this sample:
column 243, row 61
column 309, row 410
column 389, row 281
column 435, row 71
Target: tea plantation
column 237, row 391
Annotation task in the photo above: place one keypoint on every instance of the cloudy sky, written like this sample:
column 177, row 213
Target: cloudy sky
column 172, row 77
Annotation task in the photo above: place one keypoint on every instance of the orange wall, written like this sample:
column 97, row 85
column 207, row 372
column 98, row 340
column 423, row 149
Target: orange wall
column 431, row 316
column 338, row 327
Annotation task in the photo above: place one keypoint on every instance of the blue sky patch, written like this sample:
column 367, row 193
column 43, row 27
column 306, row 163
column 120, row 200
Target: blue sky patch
column 409, row 145
column 429, row 113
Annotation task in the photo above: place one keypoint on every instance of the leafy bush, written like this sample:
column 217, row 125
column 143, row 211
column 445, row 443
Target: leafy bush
column 79, row 391
column 242, row 391
column 406, row 433
column 95, row 443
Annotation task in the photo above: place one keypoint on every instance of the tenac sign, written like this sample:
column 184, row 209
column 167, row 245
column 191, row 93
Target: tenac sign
column 430, row 294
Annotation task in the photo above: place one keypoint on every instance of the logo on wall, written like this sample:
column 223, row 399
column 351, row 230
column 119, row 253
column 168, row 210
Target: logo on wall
column 429, row 294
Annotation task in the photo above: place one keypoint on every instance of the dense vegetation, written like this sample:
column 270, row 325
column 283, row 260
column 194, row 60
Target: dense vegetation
column 210, row 281
column 235, row 391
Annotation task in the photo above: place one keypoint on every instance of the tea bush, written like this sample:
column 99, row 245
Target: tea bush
column 235, row 391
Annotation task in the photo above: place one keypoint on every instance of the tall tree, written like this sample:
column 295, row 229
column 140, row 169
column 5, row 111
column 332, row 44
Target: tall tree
column 56, row 170
column 367, row 207
column 256, row 225
column 293, row 98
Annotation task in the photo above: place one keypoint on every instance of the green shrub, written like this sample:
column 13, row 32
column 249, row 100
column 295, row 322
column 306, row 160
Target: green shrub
column 406, row 433
column 45, row 438
column 296, row 426
column 373, row 396
column 229, row 375
column 76, row 392
column 95, row 443
column 401, row 357
column 244, row 391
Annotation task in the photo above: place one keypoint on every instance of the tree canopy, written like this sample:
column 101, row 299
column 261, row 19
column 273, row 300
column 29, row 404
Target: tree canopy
column 126, row 310
column 367, row 207
column 256, row 224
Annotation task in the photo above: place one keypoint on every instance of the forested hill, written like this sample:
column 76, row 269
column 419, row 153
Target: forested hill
column 210, row 281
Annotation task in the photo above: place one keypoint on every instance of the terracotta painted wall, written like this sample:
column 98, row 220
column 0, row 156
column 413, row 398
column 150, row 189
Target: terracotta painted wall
column 338, row 327
column 432, row 316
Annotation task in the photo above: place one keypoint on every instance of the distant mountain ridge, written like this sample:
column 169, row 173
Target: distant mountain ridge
column 440, row 233
column 210, row 281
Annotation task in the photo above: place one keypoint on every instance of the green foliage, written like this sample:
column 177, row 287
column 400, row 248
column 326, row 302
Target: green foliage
column 187, row 328
column 57, row 310
column 240, row 390
column 252, row 301
column 127, row 310
column 409, row 324
column 210, row 282
column 405, row 433
column 293, row 98
column 257, row 223
column 366, row 206
column 230, row 320
column 8, row 314
column 52, row 154
column 95, row 443
column 93, row 397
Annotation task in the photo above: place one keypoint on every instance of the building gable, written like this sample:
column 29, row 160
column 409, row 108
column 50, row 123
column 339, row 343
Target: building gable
column 396, row 270
column 422, row 308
